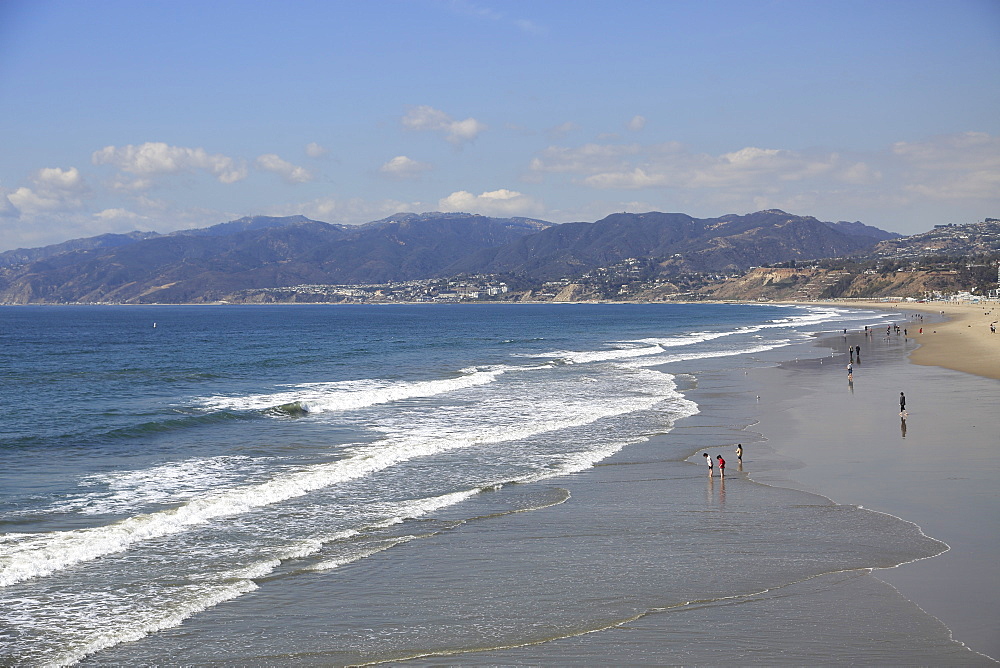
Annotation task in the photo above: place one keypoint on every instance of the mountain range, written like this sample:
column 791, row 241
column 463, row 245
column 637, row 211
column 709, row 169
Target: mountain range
column 210, row 264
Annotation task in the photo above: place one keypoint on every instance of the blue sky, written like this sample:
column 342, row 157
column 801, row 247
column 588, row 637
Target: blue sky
column 121, row 115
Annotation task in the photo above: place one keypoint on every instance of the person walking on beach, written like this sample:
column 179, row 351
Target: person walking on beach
column 739, row 452
column 850, row 371
column 902, row 404
column 722, row 466
column 709, row 460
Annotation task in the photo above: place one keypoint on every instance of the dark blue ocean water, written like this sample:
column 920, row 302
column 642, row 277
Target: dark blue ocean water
column 157, row 462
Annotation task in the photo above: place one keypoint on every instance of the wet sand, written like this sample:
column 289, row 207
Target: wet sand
column 963, row 342
column 804, row 427
column 937, row 467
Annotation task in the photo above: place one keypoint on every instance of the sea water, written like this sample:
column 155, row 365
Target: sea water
column 349, row 484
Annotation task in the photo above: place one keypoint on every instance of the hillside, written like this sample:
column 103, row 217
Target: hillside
column 231, row 260
column 969, row 239
column 209, row 264
column 22, row 256
column 788, row 284
column 679, row 244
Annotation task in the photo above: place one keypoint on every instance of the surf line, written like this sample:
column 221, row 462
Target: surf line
column 42, row 555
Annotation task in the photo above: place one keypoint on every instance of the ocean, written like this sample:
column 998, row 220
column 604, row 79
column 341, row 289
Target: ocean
column 340, row 485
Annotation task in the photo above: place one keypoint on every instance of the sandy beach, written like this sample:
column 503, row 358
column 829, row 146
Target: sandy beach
column 849, row 534
column 936, row 468
column 963, row 342
column 818, row 433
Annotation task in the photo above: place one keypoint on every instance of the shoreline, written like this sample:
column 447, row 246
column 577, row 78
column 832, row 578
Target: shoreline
column 607, row 544
column 934, row 468
column 891, row 609
column 963, row 342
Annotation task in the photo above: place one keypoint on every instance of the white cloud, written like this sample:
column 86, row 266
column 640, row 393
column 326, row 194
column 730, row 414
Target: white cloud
column 587, row 159
column 117, row 215
column 155, row 158
column 403, row 167
column 563, row 129
column 54, row 189
column 54, row 178
column 28, row 201
column 7, row 208
column 501, row 202
column 129, row 184
column 314, row 150
column 270, row 162
column 348, row 211
column 637, row 123
column 426, row 118
column 631, row 179
column 670, row 164
column 965, row 151
column 972, row 185
column 860, row 173
column 953, row 167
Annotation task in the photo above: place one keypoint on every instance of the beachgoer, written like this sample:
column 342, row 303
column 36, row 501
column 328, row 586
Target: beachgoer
column 709, row 460
column 739, row 452
column 902, row 402
column 722, row 466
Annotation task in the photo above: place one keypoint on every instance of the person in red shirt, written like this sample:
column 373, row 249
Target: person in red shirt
column 722, row 466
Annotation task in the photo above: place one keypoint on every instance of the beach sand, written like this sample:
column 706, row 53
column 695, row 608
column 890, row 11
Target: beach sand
column 816, row 433
column 806, row 432
column 963, row 342
column 937, row 467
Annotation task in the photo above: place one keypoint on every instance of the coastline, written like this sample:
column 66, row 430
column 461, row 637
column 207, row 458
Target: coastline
column 601, row 539
column 963, row 342
column 936, row 468
column 932, row 610
column 811, row 432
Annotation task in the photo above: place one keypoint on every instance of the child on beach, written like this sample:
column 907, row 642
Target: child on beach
column 709, row 460
column 739, row 452
column 722, row 466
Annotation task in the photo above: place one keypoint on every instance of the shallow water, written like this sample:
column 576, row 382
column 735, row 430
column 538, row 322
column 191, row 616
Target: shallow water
column 353, row 484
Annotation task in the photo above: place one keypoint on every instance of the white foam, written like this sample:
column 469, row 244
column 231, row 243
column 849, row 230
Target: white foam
column 142, row 623
column 122, row 622
column 40, row 555
column 353, row 394
column 168, row 483
column 627, row 351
